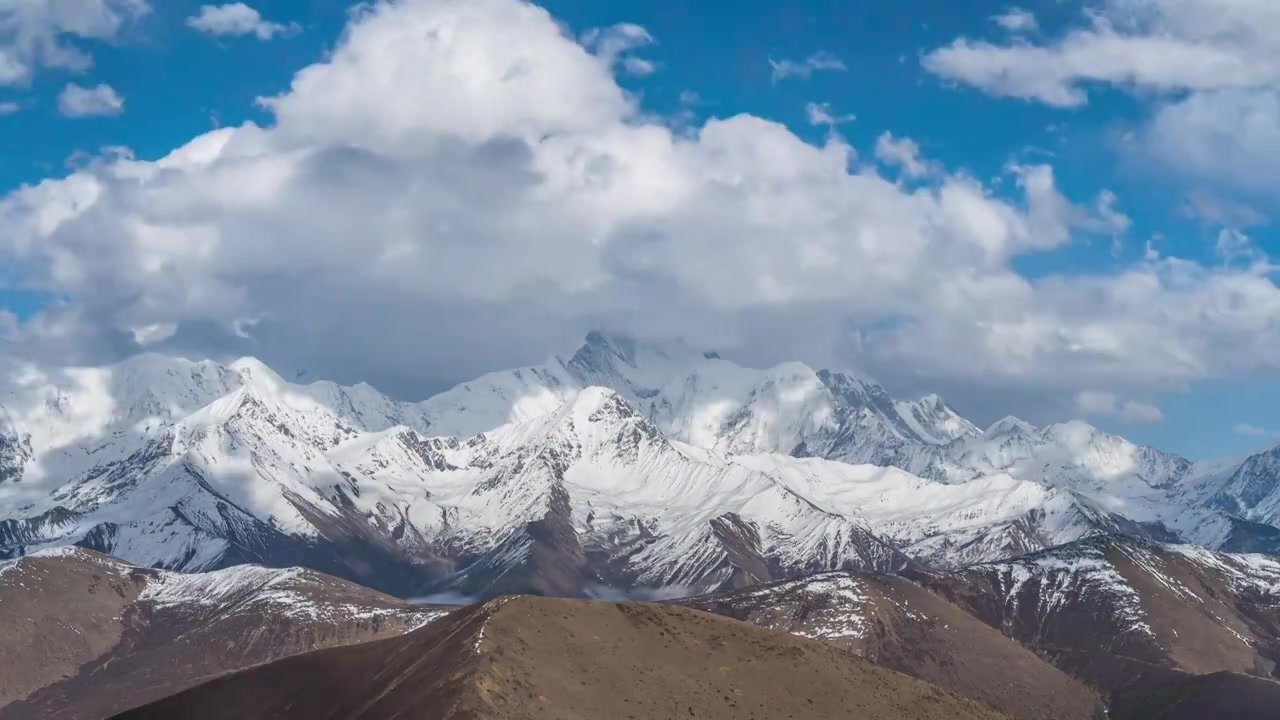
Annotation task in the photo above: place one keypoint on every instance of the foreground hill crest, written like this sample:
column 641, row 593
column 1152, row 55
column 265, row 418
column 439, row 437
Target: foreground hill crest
column 527, row 658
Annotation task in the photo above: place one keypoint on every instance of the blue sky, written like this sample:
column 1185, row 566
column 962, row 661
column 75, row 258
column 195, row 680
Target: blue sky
column 714, row 60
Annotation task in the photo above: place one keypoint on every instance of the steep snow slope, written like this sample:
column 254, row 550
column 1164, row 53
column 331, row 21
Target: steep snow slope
column 1074, row 454
column 178, row 464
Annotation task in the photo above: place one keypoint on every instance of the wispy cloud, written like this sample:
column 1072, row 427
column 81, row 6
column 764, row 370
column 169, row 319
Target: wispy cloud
column 1252, row 430
column 820, row 114
column 819, row 61
column 902, row 153
column 617, row 44
column 1103, row 404
column 1017, row 20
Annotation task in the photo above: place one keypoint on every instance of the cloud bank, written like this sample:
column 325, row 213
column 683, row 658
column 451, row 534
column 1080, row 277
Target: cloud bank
column 464, row 186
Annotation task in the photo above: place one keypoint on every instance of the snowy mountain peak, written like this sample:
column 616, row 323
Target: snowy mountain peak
column 152, row 365
column 936, row 421
column 1010, row 426
column 601, row 403
column 595, row 418
column 629, row 366
column 619, row 346
column 1073, row 431
column 840, row 382
column 251, row 368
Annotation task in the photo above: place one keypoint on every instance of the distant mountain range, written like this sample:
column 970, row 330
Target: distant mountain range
column 624, row 468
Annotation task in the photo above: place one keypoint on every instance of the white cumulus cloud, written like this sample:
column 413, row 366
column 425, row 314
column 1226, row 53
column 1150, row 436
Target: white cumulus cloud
column 100, row 99
column 49, row 33
column 1212, row 68
column 237, row 19
column 617, row 44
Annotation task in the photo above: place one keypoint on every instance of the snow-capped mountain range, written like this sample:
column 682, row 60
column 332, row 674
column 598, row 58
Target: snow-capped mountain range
column 626, row 465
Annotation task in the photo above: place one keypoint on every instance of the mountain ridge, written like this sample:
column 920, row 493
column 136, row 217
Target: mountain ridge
column 84, row 636
column 526, row 658
column 629, row 464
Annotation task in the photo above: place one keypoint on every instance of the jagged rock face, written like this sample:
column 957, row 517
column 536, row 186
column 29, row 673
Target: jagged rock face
column 630, row 465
